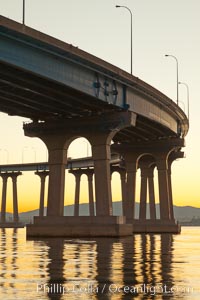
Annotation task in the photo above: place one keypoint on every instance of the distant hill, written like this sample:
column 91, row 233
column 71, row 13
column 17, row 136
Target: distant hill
column 182, row 213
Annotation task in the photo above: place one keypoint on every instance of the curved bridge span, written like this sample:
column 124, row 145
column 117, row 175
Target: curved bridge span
column 68, row 93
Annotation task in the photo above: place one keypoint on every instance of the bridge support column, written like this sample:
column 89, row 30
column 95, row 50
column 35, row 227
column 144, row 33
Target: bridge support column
column 143, row 193
column 90, row 191
column 57, row 162
column 170, row 191
column 3, row 221
column 123, row 189
column 77, row 194
column 42, row 175
column 4, row 176
column 152, row 205
column 101, row 156
column 77, row 174
column 15, row 198
column 162, row 166
column 131, row 169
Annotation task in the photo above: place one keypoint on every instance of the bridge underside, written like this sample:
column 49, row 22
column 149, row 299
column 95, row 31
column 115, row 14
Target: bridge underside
column 26, row 95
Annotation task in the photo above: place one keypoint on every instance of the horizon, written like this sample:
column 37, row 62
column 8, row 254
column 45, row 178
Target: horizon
column 85, row 203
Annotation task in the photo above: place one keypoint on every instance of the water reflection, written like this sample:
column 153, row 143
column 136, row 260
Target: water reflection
column 107, row 268
column 6, row 259
column 59, row 268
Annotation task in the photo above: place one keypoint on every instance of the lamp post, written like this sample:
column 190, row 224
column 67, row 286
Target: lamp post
column 188, row 98
column 169, row 55
column 23, row 18
column 117, row 6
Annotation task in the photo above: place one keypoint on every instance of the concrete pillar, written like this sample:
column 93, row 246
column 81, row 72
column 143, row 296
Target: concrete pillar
column 152, row 205
column 143, row 193
column 77, row 174
column 162, row 166
column 15, row 198
column 101, row 156
column 123, row 189
column 77, row 193
column 91, row 194
column 131, row 169
column 42, row 175
column 3, row 201
column 170, row 192
column 172, row 157
column 57, row 163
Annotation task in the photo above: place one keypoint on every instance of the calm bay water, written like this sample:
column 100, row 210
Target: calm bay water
column 141, row 267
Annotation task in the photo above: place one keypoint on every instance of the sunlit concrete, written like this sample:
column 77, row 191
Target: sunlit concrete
column 82, row 226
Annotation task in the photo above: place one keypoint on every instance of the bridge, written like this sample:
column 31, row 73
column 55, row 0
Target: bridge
column 68, row 93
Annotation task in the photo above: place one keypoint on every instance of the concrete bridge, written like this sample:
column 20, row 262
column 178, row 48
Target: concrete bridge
column 68, row 93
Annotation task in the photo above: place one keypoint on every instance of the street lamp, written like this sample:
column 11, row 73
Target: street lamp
column 117, row 6
column 188, row 98
column 23, row 18
column 169, row 55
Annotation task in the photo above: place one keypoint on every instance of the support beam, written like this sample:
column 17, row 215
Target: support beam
column 15, row 198
column 101, row 156
column 4, row 192
column 131, row 169
column 42, row 175
column 91, row 194
column 77, row 193
column 171, row 208
column 162, row 166
column 57, row 162
column 143, row 192
column 152, row 205
column 123, row 189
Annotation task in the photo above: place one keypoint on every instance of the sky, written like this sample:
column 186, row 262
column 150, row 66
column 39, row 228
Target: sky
column 98, row 27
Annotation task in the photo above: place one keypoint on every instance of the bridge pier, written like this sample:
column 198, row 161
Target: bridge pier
column 3, row 221
column 57, row 136
column 42, row 175
column 131, row 169
column 165, row 223
column 147, row 157
column 15, row 197
column 78, row 173
column 5, row 177
column 90, row 173
column 143, row 193
column 152, row 205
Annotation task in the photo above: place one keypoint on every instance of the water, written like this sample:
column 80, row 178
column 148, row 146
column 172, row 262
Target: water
column 141, row 267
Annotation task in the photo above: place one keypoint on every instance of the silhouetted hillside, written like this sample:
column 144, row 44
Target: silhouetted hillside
column 182, row 213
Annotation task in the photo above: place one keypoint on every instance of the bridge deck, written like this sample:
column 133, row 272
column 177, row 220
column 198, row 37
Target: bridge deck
column 43, row 78
column 85, row 162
